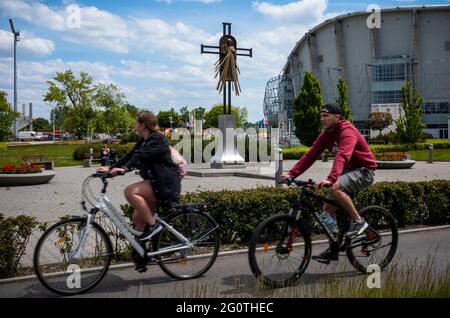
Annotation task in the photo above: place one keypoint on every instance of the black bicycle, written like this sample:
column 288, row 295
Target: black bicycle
column 280, row 247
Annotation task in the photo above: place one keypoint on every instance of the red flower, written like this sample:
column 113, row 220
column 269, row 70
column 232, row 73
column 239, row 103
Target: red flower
column 8, row 168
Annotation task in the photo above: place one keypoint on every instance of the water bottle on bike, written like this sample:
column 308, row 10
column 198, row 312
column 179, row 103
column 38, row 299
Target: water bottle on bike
column 330, row 223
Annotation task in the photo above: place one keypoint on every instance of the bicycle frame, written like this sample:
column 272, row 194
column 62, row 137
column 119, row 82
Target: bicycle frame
column 103, row 204
column 301, row 204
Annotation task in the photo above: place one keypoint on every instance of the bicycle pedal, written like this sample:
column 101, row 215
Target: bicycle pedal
column 141, row 269
column 152, row 260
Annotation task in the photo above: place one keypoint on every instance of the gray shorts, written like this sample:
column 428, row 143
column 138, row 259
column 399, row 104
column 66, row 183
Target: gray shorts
column 354, row 180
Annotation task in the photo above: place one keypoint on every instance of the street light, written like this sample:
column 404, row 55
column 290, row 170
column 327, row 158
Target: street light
column 170, row 120
column 53, row 120
column 16, row 39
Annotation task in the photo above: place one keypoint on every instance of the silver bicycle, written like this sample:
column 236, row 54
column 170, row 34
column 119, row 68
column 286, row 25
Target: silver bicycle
column 73, row 255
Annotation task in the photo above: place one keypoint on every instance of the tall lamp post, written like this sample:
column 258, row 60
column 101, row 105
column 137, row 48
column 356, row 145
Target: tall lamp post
column 53, row 120
column 16, row 39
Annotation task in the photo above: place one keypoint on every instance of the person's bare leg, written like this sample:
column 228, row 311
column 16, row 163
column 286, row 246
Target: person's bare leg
column 345, row 201
column 139, row 195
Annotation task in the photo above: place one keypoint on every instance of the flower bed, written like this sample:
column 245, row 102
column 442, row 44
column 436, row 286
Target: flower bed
column 20, row 169
column 24, row 174
column 392, row 156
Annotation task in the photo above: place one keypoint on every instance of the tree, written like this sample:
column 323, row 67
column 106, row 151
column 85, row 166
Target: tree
column 7, row 116
column 77, row 94
column 132, row 110
column 212, row 116
column 199, row 112
column 116, row 117
column 342, row 100
column 307, row 107
column 380, row 120
column 184, row 113
column 42, row 124
column 410, row 125
column 164, row 118
column 58, row 116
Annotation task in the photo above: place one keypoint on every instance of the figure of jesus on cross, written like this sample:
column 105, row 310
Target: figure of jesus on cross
column 226, row 67
column 228, row 72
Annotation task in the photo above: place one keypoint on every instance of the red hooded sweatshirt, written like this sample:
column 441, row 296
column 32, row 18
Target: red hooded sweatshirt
column 346, row 143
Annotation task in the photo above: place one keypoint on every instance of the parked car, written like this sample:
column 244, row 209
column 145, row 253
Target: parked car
column 29, row 136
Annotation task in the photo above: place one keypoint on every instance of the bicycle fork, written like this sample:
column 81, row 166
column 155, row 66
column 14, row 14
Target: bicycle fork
column 76, row 255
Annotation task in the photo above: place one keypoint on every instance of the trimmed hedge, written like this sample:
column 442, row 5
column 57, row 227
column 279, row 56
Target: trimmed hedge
column 78, row 153
column 239, row 212
column 122, row 149
column 294, row 153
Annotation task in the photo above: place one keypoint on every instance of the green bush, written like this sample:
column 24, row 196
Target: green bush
column 78, row 153
column 293, row 153
column 207, row 142
column 239, row 212
column 129, row 137
column 3, row 146
column 14, row 235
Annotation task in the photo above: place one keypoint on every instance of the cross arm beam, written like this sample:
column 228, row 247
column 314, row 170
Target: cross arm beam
column 249, row 52
column 203, row 47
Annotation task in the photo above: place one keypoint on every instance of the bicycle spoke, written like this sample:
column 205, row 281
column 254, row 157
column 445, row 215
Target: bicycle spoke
column 197, row 259
column 278, row 252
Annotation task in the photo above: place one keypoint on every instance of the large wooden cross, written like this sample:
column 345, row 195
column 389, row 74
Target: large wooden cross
column 225, row 40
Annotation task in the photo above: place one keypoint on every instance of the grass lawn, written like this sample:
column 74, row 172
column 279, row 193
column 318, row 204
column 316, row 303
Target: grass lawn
column 438, row 155
column 418, row 155
column 61, row 154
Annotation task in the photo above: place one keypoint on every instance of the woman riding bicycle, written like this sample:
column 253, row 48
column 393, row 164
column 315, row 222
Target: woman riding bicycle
column 162, row 183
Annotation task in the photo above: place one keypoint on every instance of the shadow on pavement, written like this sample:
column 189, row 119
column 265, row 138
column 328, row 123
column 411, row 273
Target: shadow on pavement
column 246, row 285
column 110, row 284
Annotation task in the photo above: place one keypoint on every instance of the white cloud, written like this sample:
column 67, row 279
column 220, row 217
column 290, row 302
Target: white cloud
column 28, row 44
column 36, row 13
column 92, row 26
column 202, row 1
column 300, row 12
column 173, row 72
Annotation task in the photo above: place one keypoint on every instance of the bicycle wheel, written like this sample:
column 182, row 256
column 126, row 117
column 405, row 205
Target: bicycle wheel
column 377, row 245
column 279, row 251
column 203, row 233
column 54, row 265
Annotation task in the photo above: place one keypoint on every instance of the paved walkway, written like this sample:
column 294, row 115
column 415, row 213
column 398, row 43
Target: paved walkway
column 62, row 195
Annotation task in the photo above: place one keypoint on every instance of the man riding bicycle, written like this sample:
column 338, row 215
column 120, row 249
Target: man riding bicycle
column 353, row 169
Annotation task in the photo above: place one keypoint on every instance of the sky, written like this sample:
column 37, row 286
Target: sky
column 150, row 49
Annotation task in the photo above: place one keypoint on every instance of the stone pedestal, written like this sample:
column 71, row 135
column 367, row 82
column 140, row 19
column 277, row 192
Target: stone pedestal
column 227, row 155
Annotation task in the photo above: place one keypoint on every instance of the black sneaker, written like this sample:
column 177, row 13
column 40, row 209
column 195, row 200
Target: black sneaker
column 326, row 257
column 139, row 262
column 150, row 231
column 356, row 228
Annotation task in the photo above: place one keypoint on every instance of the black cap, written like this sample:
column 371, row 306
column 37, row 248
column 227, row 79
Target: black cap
column 331, row 108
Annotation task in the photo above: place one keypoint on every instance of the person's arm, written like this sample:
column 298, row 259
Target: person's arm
column 347, row 144
column 127, row 161
column 308, row 158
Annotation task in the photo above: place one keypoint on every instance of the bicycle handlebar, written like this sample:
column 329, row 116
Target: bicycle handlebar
column 106, row 175
column 299, row 183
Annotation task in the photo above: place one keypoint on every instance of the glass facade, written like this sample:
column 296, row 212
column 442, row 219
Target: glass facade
column 436, row 108
column 391, row 72
column 388, row 76
column 386, row 97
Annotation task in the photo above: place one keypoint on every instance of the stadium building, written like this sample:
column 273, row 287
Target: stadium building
column 375, row 57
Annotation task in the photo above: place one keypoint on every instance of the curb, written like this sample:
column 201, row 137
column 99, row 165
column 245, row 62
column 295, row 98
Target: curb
column 225, row 253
